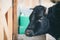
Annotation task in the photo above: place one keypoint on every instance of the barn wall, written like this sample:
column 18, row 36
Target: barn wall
column 28, row 3
column 6, row 20
column 1, row 30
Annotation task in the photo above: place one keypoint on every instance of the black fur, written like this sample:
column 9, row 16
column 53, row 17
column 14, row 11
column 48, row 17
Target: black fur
column 52, row 25
column 38, row 22
column 54, row 18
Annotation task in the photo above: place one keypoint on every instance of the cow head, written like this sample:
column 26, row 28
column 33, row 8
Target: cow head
column 34, row 25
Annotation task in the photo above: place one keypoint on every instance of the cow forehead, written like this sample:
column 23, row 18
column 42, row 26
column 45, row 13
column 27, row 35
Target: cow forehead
column 39, row 7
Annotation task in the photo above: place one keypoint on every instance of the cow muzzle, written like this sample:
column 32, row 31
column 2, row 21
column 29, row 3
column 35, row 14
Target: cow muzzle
column 29, row 33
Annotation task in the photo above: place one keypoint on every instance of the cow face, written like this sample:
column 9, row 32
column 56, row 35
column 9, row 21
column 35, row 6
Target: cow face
column 35, row 25
column 37, row 13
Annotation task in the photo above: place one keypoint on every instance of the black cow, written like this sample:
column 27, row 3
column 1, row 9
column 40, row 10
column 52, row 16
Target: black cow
column 52, row 21
column 39, row 23
column 54, row 18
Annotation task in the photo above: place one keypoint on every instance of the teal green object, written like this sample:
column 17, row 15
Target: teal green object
column 24, row 21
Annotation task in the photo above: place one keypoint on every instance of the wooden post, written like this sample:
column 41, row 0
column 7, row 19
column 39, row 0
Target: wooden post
column 15, row 25
column 10, row 25
column 5, row 29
